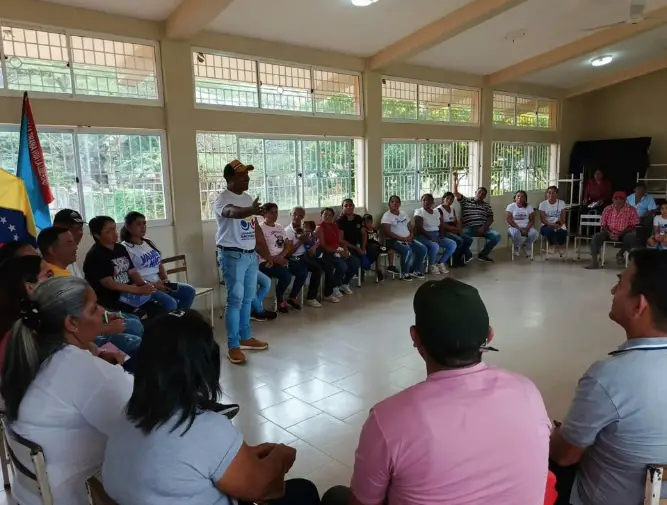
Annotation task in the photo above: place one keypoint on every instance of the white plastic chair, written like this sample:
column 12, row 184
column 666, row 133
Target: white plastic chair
column 183, row 268
column 512, row 247
column 590, row 222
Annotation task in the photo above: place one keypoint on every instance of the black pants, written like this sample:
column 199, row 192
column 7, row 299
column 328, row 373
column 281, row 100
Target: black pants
column 645, row 229
column 334, row 271
column 300, row 266
column 297, row 492
column 564, row 481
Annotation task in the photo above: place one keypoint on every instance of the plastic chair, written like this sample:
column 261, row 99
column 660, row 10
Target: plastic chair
column 589, row 222
column 511, row 246
column 654, row 474
column 183, row 268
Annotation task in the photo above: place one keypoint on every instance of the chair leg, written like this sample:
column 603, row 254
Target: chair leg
column 4, row 461
column 359, row 278
column 210, row 304
column 604, row 253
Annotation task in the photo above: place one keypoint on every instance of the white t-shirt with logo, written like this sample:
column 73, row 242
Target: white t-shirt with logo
column 146, row 260
column 291, row 235
column 75, row 270
column 448, row 215
column 520, row 214
column 398, row 223
column 661, row 223
column 552, row 211
column 275, row 238
column 238, row 233
column 431, row 221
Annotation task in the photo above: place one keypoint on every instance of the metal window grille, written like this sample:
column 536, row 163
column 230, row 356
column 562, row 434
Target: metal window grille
column 225, row 80
column 399, row 99
column 285, row 87
column 288, row 171
column 504, row 109
column 99, row 173
column 336, row 93
column 520, row 166
column 523, row 111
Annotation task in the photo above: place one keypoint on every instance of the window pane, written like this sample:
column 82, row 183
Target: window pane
column 281, row 172
column 214, row 151
column 36, row 60
column 114, row 69
column 121, row 173
column 336, row 172
column 526, row 112
column 336, row 93
column 285, row 88
column 464, row 106
column 546, row 110
column 399, row 171
column 503, row 109
column 434, row 103
column 224, row 80
column 399, row 99
column 517, row 166
column 251, row 152
column 9, row 151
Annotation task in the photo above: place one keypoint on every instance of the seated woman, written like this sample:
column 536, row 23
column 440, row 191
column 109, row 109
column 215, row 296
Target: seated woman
column 280, row 249
column 597, row 191
column 521, row 221
column 659, row 238
column 170, row 448
column 350, row 224
column 147, row 261
column 112, row 275
column 335, row 260
column 429, row 226
column 552, row 215
column 370, row 239
column 454, row 231
column 400, row 237
column 58, row 395
column 300, row 257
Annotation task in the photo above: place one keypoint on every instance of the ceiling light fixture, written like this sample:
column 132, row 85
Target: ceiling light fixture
column 362, row 3
column 601, row 61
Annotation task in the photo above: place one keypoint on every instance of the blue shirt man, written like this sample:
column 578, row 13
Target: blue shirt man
column 641, row 201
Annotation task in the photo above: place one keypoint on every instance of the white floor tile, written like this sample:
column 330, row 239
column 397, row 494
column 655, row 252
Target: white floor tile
column 342, row 405
column 313, row 390
column 290, row 412
column 308, row 459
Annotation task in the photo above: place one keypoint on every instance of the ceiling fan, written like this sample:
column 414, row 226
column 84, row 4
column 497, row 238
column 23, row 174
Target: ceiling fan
column 635, row 15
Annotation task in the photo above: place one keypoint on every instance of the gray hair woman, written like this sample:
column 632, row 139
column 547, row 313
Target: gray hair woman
column 56, row 393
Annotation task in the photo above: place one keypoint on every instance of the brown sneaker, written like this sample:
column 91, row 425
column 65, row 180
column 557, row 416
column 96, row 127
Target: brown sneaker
column 236, row 356
column 253, row 344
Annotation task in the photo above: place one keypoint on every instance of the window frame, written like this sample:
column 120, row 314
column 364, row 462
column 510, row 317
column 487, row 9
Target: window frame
column 307, row 138
column 75, row 131
column 474, row 146
column 259, row 109
column 74, row 96
column 555, row 119
column 420, row 83
column 552, row 168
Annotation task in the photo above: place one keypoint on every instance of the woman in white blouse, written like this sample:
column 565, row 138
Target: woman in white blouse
column 521, row 221
column 552, row 214
column 147, row 261
column 430, row 231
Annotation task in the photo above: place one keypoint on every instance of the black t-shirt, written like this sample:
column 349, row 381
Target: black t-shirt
column 351, row 228
column 102, row 262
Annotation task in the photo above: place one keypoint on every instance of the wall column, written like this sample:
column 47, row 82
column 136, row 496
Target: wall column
column 486, row 144
column 373, row 133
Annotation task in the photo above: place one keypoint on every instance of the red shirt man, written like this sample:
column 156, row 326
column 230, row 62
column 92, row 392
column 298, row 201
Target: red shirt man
column 618, row 224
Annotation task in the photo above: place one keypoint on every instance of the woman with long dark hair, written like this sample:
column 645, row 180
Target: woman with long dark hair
column 171, row 448
column 520, row 217
column 147, row 260
column 56, row 393
column 399, row 236
column 334, row 256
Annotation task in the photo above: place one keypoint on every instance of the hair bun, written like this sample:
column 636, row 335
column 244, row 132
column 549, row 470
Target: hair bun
column 30, row 314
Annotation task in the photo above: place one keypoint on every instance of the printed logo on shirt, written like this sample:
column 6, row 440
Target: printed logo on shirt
column 150, row 259
column 247, row 228
column 520, row 216
column 120, row 267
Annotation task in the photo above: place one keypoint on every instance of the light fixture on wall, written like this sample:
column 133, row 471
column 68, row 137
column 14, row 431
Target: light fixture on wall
column 602, row 60
column 362, row 3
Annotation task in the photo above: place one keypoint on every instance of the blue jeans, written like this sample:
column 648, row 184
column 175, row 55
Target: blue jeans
column 129, row 344
column 433, row 248
column 556, row 236
column 283, row 275
column 463, row 243
column 412, row 255
column 492, row 239
column 181, row 298
column 133, row 325
column 264, row 284
column 239, row 270
column 353, row 264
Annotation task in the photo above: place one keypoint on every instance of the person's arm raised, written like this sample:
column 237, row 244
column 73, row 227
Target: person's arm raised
column 457, row 195
column 233, row 212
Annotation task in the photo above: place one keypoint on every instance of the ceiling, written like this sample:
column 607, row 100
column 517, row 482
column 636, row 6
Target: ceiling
column 527, row 30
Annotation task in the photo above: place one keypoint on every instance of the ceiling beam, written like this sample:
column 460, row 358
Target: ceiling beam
column 192, row 16
column 620, row 76
column 454, row 23
column 595, row 42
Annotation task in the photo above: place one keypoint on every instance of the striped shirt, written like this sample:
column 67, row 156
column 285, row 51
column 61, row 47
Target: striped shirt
column 473, row 212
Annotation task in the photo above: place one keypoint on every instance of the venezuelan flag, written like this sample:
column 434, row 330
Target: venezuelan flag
column 16, row 220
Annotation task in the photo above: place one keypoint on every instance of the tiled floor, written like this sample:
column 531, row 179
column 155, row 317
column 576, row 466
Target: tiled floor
column 326, row 367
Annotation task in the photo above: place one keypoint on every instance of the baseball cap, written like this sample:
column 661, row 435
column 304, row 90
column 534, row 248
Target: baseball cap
column 235, row 166
column 67, row 217
column 451, row 318
column 620, row 194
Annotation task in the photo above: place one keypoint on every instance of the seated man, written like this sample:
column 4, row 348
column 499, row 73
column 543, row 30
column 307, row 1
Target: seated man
column 72, row 221
column 469, row 434
column 477, row 218
column 619, row 221
column 646, row 210
column 616, row 424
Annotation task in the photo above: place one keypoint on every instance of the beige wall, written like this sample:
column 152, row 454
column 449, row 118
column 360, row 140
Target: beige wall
column 182, row 120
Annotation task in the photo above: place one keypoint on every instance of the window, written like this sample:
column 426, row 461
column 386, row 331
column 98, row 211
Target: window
column 59, row 62
column 524, row 112
column 519, row 166
column 312, row 172
column 99, row 173
column 411, row 169
column 230, row 81
column 410, row 101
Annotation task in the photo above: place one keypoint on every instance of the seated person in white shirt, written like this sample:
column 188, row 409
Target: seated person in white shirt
column 56, row 393
column 521, row 221
column 552, row 215
column 147, row 261
column 659, row 238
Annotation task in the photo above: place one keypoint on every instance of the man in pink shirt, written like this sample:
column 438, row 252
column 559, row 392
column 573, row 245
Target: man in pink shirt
column 469, row 434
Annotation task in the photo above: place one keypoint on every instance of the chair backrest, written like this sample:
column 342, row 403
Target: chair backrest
column 654, row 474
column 96, row 493
column 181, row 265
column 590, row 221
column 28, row 463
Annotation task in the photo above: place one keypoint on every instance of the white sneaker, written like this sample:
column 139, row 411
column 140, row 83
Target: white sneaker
column 443, row 268
column 517, row 253
column 332, row 299
column 345, row 288
column 434, row 269
column 313, row 303
column 337, row 293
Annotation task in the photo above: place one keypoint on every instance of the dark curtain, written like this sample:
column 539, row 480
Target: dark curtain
column 619, row 159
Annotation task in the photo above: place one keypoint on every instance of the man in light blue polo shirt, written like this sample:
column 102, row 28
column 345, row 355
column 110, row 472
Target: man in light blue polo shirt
column 617, row 424
column 646, row 207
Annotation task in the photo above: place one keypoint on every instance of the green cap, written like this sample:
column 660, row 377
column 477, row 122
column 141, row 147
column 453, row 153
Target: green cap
column 450, row 318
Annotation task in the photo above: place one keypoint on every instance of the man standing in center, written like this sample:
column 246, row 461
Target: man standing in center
column 237, row 239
